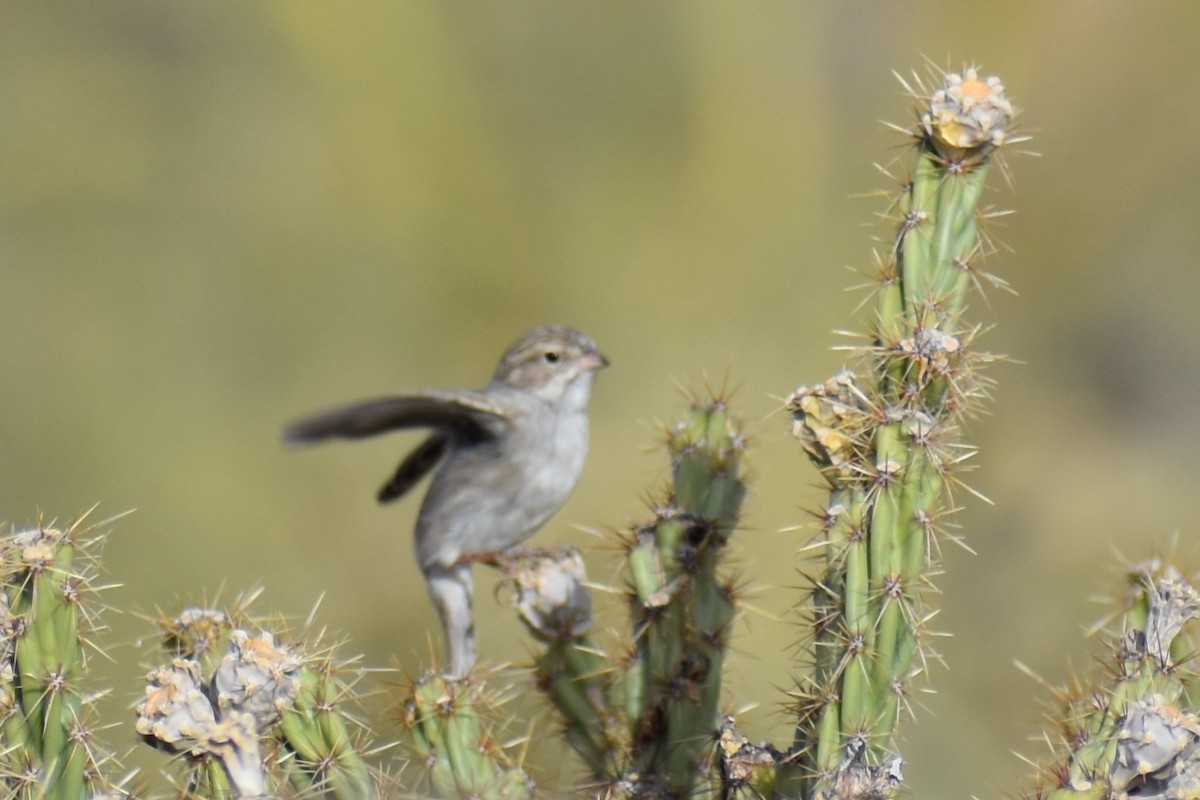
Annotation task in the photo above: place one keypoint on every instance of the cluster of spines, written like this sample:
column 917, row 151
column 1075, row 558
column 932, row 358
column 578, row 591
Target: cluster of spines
column 48, row 615
column 242, row 711
column 1135, row 733
column 888, row 445
column 449, row 733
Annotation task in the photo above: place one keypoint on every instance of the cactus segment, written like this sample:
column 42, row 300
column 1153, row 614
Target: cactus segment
column 887, row 446
column 552, row 599
column 1136, row 736
column 681, row 627
column 460, row 757
column 48, row 579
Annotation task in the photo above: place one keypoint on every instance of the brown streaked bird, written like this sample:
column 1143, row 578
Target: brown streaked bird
column 506, row 458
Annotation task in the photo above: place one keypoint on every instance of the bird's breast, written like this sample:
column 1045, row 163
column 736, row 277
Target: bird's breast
column 494, row 494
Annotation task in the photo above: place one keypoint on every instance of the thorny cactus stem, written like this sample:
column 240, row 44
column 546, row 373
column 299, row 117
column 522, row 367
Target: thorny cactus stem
column 681, row 606
column 1137, row 736
column 644, row 721
column 888, row 445
column 315, row 729
column 453, row 743
column 47, row 610
column 552, row 599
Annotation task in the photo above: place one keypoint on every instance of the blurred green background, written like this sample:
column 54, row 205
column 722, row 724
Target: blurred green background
column 217, row 216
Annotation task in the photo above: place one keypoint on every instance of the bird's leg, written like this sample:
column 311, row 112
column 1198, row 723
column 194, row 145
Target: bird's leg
column 450, row 590
column 502, row 558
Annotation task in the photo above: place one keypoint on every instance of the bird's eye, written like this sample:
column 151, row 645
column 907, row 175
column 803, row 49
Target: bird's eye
column 551, row 356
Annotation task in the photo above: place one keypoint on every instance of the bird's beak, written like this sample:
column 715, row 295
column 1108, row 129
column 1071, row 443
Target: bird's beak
column 592, row 361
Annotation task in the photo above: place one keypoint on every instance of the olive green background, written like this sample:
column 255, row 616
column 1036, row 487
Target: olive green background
column 217, row 216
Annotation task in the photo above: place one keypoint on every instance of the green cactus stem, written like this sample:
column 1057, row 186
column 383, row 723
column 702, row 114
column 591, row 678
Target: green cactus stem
column 682, row 607
column 47, row 610
column 888, row 446
column 552, row 599
column 1137, row 736
column 452, row 740
column 327, row 751
column 644, row 719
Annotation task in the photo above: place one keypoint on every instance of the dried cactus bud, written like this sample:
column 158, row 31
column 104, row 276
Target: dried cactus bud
column 1172, row 603
column 832, row 421
column 34, row 549
column 257, row 677
column 967, row 114
column 195, row 632
column 931, row 349
column 1155, row 746
column 744, row 764
column 176, row 712
column 550, row 595
column 857, row 779
column 235, row 741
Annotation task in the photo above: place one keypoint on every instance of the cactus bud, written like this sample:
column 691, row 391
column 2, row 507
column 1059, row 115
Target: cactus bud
column 551, row 597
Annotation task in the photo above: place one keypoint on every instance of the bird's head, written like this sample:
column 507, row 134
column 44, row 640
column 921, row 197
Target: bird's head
column 550, row 362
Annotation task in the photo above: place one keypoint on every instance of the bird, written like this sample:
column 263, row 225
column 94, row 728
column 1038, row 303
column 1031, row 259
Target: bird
column 504, row 459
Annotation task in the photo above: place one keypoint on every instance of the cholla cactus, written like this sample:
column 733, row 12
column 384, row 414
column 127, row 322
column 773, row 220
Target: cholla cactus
column 681, row 605
column 1138, row 735
column 48, row 611
column 888, row 444
column 643, row 721
column 551, row 597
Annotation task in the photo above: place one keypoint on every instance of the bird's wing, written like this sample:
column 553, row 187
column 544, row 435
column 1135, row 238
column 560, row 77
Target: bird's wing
column 473, row 413
column 416, row 465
